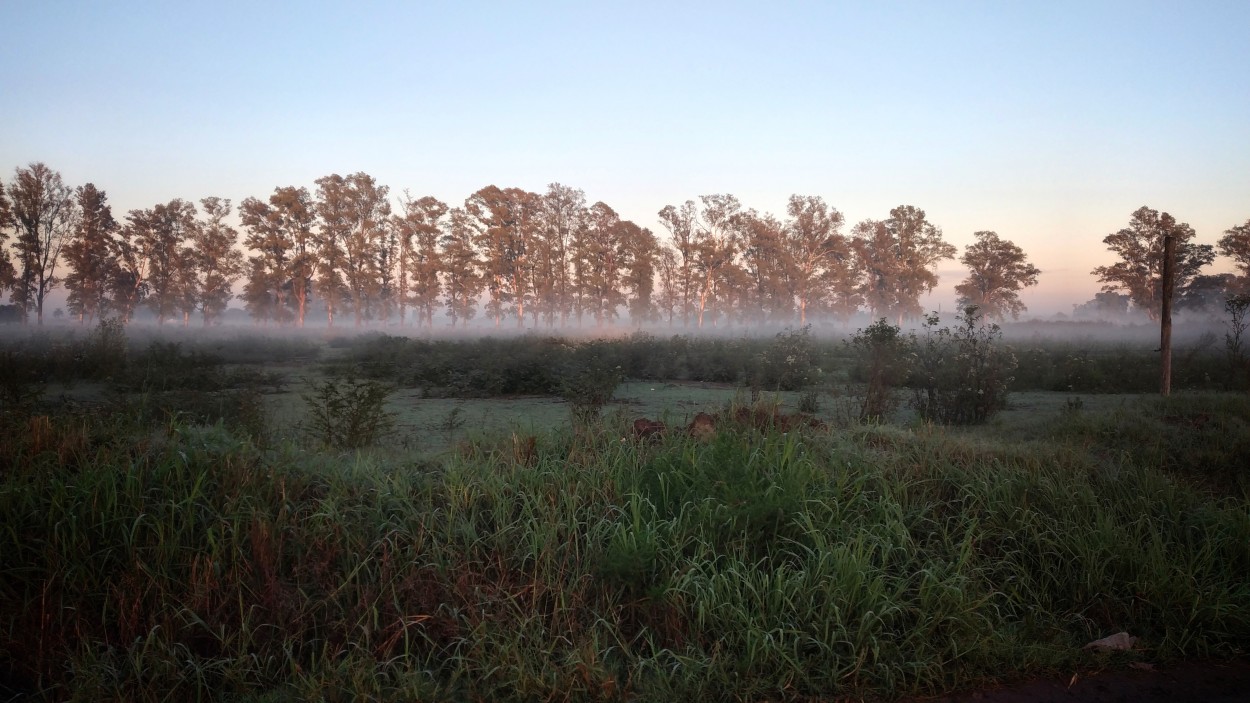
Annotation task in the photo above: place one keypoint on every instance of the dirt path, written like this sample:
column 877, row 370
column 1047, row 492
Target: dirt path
column 1190, row 682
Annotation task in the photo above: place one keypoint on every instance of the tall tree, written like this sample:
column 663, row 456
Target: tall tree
column 1139, row 272
column 602, row 262
column 879, row 266
column 161, row 234
column 355, row 244
column 841, row 284
column 668, row 294
column 462, row 278
column 259, row 296
column 91, row 255
column 681, row 224
column 769, row 291
column 218, row 263
column 43, row 208
column 7, row 273
column 718, row 239
column 386, row 264
column 1235, row 244
column 561, row 219
column 187, row 278
column 419, row 230
column 639, row 250
column 296, row 213
column 505, row 222
column 820, row 255
column 129, row 284
column 896, row 256
column 269, row 268
column 280, row 232
column 997, row 271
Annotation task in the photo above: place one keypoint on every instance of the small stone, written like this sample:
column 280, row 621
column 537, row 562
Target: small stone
column 1119, row 642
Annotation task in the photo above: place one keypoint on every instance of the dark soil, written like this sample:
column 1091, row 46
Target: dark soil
column 1186, row 682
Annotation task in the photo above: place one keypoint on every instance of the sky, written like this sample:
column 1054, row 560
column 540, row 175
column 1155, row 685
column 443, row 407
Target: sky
column 1047, row 122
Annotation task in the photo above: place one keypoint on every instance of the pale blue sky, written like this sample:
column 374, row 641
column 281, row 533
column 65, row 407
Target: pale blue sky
column 1046, row 122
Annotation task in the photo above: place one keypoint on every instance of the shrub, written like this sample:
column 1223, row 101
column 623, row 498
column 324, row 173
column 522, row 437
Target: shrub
column 786, row 364
column 165, row 366
column 348, row 414
column 962, row 374
column 1237, row 307
column 809, row 402
column 589, row 378
column 881, row 355
column 20, row 383
column 104, row 350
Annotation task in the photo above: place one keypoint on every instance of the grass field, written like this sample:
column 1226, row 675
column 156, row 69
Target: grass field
column 170, row 529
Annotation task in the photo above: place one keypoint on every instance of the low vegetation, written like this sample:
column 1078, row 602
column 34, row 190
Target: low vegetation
column 154, row 553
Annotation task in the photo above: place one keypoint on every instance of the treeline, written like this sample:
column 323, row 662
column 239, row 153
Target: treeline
column 346, row 249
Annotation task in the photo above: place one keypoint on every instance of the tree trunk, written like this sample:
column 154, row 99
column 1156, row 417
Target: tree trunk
column 1165, row 318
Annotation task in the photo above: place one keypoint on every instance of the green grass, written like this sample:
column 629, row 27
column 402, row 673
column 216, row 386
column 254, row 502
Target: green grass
column 159, row 540
column 422, row 423
column 183, row 562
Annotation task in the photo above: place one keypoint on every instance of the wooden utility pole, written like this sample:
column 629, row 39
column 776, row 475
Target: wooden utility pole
column 1165, row 326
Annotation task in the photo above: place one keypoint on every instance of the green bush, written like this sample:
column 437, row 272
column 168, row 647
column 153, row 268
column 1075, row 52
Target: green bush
column 588, row 379
column 347, row 414
column 21, row 383
column 961, row 375
column 882, row 359
column 1238, row 309
column 104, row 351
column 787, row 363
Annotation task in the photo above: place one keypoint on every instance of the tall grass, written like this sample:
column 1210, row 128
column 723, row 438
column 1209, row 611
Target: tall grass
column 186, row 563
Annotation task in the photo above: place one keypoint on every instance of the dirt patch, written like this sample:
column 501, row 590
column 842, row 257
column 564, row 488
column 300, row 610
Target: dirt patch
column 1187, row 682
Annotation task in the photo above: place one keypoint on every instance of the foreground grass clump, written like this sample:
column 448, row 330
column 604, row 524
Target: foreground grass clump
column 1203, row 438
column 754, row 566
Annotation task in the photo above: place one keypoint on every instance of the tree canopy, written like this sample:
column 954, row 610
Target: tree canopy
column 548, row 258
column 1235, row 244
column 997, row 271
column 1139, row 270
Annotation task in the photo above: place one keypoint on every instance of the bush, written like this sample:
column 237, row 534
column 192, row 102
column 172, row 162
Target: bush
column 588, row 380
column 881, row 357
column 165, row 366
column 21, row 385
column 348, row 414
column 104, row 351
column 786, row 364
column 962, row 374
column 1237, row 307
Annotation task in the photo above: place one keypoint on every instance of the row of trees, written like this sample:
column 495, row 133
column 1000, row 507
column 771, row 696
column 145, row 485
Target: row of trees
column 347, row 249
column 168, row 257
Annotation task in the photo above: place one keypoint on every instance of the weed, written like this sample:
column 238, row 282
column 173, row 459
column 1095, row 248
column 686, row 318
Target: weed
column 809, row 402
column 453, row 420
